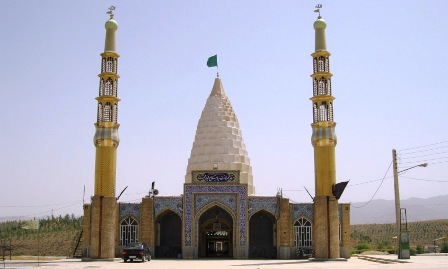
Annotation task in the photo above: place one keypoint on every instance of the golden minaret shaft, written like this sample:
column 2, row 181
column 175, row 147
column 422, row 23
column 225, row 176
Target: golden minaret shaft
column 102, row 213
column 106, row 136
column 323, row 139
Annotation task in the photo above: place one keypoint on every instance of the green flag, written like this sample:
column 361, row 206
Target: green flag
column 212, row 61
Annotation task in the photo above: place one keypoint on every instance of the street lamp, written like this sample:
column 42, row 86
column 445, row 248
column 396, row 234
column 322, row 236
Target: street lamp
column 402, row 254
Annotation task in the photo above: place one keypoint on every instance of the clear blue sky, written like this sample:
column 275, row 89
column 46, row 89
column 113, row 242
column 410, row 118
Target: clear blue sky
column 388, row 63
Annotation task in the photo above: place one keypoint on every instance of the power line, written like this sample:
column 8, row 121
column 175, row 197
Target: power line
column 438, row 143
column 426, row 155
column 368, row 202
column 427, row 160
column 429, row 180
column 425, row 150
column 40, row 213
column 366, row 182
column 23, row 206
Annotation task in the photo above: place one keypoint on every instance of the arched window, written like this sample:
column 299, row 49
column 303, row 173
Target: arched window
column 107, row 113
column 315, row 113
column 115, row 88
column 330, row 112
column 108, row 88
column 315, row 87
column 327, row 64
column 115, row 113
column 321, row 64
column 323, row 112
column 128, row 231
column 103, row 65
column 101, row 87
column 315, row 65
column 322, row 86
column 329, row 87
column 109, row 64
column 303, row 233
column 100, row 113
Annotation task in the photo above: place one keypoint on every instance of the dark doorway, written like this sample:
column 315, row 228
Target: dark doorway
column 168, row 235
column 261, row 236
column 215, row 236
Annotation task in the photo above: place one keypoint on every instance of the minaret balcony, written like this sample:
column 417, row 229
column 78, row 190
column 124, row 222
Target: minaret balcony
column 318, row 75
column 322, row 98
column 110, row 54
column 107, row 75
column 319, row 53
column 108, row 98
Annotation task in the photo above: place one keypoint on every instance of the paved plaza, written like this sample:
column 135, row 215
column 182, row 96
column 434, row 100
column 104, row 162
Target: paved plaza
column 365, row 261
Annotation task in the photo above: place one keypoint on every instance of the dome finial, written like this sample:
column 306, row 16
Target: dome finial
column 110, row 12
column 318, row 7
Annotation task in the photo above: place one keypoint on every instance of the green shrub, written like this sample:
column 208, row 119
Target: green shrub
column 384, row 245
column 391, row 251
column 363, row 246
column 412, row 251
column 420, row 249
column 444, row 248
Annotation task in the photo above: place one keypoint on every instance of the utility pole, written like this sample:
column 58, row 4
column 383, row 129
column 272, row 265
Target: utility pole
column 397, row 201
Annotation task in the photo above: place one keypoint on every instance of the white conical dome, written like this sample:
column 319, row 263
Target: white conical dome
column 219, row 141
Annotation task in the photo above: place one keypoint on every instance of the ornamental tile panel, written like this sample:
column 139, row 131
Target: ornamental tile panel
column 263, row 203
column 202, row 200
column 173, row 203
column 302, row 210
column 129, row 210
column 240, row 190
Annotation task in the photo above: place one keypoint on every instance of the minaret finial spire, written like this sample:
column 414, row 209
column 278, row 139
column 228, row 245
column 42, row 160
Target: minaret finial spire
column 318, row 7
column 110, row 12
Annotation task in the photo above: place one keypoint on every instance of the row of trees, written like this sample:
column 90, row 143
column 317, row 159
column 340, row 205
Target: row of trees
column 16, row 229
column 379, row 236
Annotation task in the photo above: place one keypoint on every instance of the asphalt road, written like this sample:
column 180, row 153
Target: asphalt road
column 367, row 261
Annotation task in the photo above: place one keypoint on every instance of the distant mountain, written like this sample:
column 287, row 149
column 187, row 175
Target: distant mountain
column 383, row 211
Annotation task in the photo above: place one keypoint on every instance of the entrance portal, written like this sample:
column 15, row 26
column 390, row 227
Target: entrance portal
column 261, row 236
column 169, row 234
column 215, row 235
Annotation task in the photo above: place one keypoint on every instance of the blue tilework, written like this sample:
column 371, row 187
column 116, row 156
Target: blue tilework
column 173, row 203
column 129, row 210
column 190, row 190
column 302, row 210
column 263, row 203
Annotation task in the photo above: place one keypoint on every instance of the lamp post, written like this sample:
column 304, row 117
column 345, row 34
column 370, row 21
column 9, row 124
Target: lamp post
column 397, row 200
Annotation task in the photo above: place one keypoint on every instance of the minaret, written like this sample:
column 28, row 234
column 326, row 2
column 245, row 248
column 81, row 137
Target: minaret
column 103, row 212
column 323, row 139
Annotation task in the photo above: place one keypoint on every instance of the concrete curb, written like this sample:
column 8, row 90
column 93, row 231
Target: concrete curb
column 378, row 259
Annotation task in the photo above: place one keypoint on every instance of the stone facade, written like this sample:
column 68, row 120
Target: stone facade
column 201, row 201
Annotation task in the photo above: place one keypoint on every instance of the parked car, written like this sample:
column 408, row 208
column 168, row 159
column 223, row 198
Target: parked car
column 136, row 251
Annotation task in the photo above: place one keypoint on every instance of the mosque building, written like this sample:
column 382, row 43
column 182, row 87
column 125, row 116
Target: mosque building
column 218, row 214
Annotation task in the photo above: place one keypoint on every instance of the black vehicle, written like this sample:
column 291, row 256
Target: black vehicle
column 136, row 251
column 304, row 253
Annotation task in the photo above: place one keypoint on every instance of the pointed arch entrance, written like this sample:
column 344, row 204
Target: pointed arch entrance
column 168, row 235
column 215, row 235
column 261, row 236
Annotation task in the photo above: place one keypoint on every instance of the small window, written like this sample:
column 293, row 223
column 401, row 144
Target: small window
column 128, row 231
column 303, row 233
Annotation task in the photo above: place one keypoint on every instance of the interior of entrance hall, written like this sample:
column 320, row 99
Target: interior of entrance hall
column 215, row 233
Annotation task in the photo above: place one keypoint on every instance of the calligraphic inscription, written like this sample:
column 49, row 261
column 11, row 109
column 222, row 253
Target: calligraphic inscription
column 216, row 176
